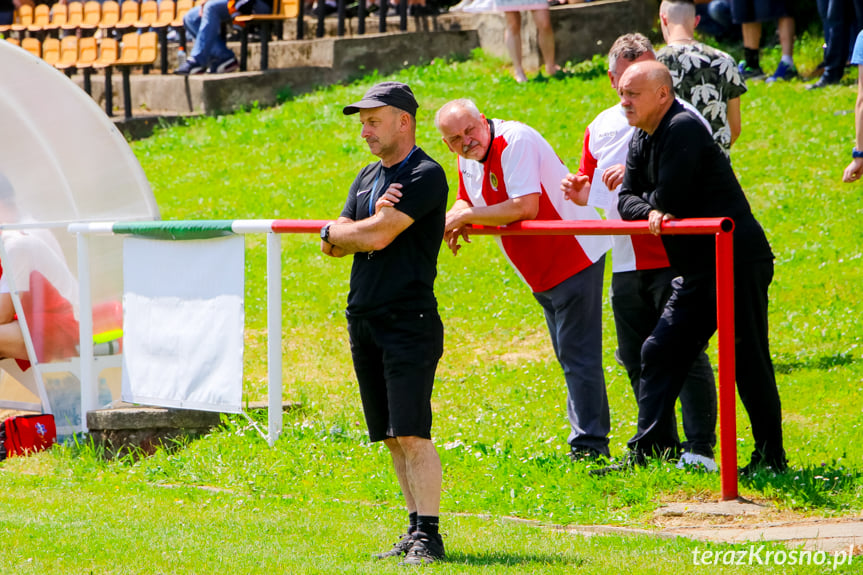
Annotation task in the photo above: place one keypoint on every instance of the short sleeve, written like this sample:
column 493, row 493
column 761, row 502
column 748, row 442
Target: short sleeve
column 857, row 56
column 350, row 209
column 423, row 188
column 521, row 164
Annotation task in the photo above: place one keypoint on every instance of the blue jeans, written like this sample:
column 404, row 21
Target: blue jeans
column 210, row 47
column 573, row 313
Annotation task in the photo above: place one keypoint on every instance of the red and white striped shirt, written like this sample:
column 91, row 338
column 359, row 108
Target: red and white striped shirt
column 520, row 162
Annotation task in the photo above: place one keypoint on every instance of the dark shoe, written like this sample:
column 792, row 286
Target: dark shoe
column 822, row 82
column 748, row 72
column 424, row 550
column 580, row 453
column 783, row 72
column 630, row 461
column 189, row 67
column 398, row 549
column 225, row 66
column 759, row 462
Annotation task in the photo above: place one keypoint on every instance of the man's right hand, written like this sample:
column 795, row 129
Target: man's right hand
column 853, row 171
column 576, row 188
column 613, row 176
column 451, row 238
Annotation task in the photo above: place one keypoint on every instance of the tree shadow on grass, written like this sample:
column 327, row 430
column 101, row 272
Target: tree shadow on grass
column 828, row 486
column 514, row 559
column 786, row 364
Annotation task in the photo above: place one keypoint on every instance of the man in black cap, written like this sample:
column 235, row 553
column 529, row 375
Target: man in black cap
column 395, row 331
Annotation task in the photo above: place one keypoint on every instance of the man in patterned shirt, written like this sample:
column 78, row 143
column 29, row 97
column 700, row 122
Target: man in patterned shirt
column 705, row 77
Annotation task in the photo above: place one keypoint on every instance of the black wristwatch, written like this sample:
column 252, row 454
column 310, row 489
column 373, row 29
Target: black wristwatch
column 325, row 232
column 855, row 153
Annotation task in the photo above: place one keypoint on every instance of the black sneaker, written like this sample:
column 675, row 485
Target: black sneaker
column 759, row 462
column 424, row 550
column 229, row 64
column 398, row 549
column 630, row 461
column 581, row 453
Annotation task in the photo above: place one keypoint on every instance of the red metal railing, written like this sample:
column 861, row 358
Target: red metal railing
column 722, row 228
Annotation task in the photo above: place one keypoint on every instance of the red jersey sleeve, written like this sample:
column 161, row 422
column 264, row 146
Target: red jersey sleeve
column 462, row 191
column 587, row 165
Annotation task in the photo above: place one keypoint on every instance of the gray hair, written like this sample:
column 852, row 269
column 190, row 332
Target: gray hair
column 629, row 47
column 463, row 103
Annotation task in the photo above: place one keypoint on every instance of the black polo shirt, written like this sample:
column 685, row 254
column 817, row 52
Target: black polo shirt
column 680, row 170
column 401, row 276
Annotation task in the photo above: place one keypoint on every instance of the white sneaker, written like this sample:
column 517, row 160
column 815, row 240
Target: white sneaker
column 695, row 461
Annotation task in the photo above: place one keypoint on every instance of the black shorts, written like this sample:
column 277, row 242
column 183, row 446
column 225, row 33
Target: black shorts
column 395, row 356
column 745, row 11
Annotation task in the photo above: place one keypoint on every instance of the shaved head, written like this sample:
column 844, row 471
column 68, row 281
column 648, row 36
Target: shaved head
column 646, row 93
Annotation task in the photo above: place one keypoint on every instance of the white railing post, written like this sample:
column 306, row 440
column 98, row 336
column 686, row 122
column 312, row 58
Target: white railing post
column 89, row 388
column 274, row 336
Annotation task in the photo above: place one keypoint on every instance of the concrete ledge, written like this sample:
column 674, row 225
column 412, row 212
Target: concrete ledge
column 141, row 417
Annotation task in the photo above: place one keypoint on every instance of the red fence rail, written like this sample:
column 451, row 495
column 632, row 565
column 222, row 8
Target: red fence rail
column 722, row 228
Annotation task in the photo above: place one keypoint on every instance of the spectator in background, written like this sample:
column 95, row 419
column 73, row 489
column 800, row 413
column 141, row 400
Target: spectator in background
column 714, row 19
column 842, row 20
column 641, row 275
column 512, row 10
column 855, row 168
column 508, row 172
column 705, row 77
column 750, row 14
column 204, row 25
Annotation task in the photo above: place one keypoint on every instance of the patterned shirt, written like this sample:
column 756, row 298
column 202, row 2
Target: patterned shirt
column 707, row 78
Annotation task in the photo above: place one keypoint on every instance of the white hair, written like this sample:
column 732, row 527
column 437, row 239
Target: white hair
column 462, row 103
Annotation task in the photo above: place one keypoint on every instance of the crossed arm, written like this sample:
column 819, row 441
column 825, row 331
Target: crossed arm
column 368, row 235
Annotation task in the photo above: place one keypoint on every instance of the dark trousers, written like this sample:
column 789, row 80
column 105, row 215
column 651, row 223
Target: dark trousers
column 638, row 299
column 687, row 323
column 842, row 20
column 573, row 314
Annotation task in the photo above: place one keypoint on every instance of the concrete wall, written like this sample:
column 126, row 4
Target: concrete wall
column 581, row 30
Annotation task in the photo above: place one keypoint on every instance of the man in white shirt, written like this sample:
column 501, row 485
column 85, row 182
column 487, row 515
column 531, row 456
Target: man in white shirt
column 509, row 172
column 641, row 274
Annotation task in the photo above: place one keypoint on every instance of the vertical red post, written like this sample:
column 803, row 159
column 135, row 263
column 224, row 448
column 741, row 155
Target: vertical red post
column 725, row 351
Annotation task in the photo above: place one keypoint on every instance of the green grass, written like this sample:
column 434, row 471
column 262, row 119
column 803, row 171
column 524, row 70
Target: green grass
column 324, row 498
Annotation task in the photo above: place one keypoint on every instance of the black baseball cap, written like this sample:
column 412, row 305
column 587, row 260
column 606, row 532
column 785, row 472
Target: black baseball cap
column 393, row 94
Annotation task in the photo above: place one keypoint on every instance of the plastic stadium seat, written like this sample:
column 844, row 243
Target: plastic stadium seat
column 148, row 14
column 25, row 18
column 68, row 53
column 76, row 16
column 41, row 19
column 32, row 45
column 51, row 50
column 282, row 10
column 88, row 54
column 110, row 15
column 128, row 15
column 59, row 17
column 92, row 15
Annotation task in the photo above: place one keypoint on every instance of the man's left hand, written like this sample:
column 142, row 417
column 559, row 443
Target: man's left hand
column 655, row 220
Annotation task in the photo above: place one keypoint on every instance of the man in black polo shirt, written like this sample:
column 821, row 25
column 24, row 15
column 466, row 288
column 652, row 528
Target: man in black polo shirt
column 395, row 332
column 674, row 169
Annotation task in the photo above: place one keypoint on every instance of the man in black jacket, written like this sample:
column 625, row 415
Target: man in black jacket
column 675, row 170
